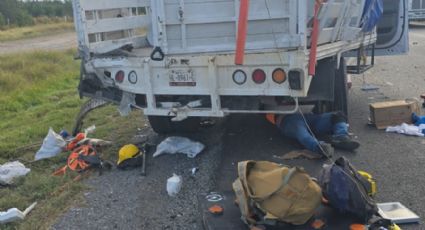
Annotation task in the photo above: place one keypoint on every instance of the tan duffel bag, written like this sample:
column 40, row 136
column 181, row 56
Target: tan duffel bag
column 279, row 193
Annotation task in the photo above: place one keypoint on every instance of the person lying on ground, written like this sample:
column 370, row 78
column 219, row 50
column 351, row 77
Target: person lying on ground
column 333, row 124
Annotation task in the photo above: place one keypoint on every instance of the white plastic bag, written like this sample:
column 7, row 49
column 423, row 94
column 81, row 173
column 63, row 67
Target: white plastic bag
column 52, row 146
column 12, row 170
column 173, row 145
column 406, row 129
column 15, row 214
column 174, row 185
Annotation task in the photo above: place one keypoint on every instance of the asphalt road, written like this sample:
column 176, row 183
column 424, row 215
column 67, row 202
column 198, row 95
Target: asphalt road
column 126, row 200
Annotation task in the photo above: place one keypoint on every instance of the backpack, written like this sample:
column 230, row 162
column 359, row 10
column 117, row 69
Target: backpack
column 268, row 193
column 346, row 190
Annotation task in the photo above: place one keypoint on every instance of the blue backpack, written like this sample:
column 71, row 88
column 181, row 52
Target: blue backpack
column 346, row 190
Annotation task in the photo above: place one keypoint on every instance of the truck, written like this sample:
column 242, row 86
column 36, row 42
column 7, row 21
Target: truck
column 182, row 60
column 416, row 10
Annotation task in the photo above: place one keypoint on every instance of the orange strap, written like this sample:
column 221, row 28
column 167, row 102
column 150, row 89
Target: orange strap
column 242, row 32
column 75, row 163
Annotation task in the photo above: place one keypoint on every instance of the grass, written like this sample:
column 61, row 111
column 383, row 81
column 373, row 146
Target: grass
column 35, row 31
column 38, row 91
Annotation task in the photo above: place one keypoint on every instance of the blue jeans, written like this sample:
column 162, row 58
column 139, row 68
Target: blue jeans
column 293, row 126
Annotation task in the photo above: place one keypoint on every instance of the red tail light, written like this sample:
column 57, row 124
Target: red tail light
column 259, row 76
column 119, row 76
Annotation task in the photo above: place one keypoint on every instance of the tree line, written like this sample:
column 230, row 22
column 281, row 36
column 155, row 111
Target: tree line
column 20, row 13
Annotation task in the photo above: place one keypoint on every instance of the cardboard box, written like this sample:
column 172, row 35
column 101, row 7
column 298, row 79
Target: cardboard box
column 391, row 113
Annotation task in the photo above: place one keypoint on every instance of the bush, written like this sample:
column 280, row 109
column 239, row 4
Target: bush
column 24, row 19
column 2, row 20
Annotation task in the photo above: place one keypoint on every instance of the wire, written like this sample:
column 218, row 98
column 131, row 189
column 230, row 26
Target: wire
column 314, row 136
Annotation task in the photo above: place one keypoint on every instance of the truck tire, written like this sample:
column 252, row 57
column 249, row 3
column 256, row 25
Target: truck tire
column 340, row 102
column 164, row 125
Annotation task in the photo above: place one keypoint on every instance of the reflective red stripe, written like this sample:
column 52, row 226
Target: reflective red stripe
column 242, row 31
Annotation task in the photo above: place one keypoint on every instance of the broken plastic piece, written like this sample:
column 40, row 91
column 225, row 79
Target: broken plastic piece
column 52, row 145
column 318, row 224
column 15, row 214
column 173, row 145
column 216, row 210
column 174, row 185
column 358, row 227
column 12, row 170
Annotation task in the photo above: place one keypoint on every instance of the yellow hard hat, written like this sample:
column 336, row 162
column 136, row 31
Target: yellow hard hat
column 127, row 152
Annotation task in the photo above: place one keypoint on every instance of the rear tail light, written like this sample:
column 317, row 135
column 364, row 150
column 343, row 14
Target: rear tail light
column 239, row 77
column 119, row 76
column 279, row 76
column 259, row 76
column 295, row 79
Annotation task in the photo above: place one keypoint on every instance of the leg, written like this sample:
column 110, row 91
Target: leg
column 340, row 138
column 293, row 126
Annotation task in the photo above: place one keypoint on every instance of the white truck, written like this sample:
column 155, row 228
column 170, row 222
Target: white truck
column 416, row 10
column 179, row 60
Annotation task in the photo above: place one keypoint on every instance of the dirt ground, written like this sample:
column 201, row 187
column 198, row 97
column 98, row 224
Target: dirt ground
column 60, row 41
column 126, row 200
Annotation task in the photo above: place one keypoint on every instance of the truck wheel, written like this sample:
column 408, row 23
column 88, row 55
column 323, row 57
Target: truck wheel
column 164, row 125
column 340, row 102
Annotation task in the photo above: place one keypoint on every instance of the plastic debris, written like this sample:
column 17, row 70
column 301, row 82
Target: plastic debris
column 15, row 214
column 216, row 210
column 12, row 170
column 52, row 145
column 174, row 185
column 411, row 130
column 194, row 171
column 173, row 145
column 214, row 197
column 318, row 224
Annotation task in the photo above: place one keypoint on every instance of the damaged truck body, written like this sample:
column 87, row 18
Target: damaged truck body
column 175, row 59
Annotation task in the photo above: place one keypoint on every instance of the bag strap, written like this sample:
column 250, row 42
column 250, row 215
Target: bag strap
column 243, row 171
column 243, row 202
column 285, row 182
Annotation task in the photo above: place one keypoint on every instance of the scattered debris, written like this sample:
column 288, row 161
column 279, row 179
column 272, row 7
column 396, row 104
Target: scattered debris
column 15, row 214
column 369, row 87
column 397, row 212
column 194, row 171
column 174, row 185
column 207, row 123
column 173, row 145
column 318, row 224
column 85, row 109
column 390, row 113
column 99, row 143
column 12, row 170
column 214, row 197
column 139, row 139
column 358, row 227
column 305, row 153
column 216, row 210
column 389, row 83
column 344, row 187
column 53, row 144
column 130, row 156
column 418, row 120
column 410, row 130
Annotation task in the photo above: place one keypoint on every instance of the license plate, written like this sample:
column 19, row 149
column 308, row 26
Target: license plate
column 182, row 78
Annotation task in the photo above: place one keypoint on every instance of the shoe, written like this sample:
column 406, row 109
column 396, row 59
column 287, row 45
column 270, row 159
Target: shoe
column 326, row 149
column 345, row 143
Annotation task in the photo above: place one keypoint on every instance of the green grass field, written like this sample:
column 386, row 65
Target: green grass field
column 38, row 90
column 35, row 31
